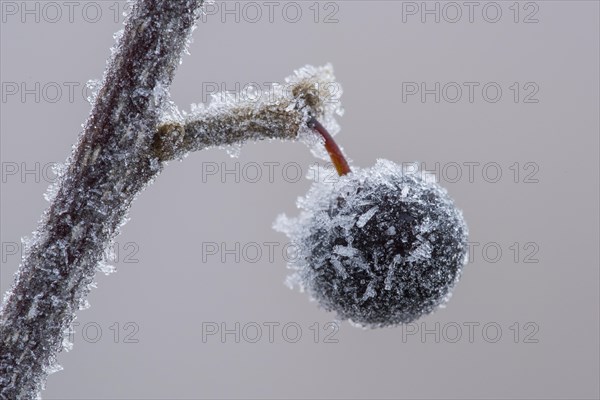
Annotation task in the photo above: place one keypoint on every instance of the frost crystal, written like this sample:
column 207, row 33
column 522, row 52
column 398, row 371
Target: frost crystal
column 397, row 262
column 363, row 219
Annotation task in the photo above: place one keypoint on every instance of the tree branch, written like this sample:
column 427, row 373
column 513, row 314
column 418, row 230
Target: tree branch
column 125, row 144
column 107, row 169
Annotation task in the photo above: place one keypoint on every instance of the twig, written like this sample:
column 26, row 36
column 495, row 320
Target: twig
column 284, row 112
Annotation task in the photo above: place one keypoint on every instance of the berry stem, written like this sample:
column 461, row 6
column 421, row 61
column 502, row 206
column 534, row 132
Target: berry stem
column 337, row 157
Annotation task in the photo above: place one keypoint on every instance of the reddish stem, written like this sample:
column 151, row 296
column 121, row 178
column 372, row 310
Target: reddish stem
column 337, row 157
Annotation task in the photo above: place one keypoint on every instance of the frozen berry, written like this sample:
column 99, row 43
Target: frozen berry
column 378, row 246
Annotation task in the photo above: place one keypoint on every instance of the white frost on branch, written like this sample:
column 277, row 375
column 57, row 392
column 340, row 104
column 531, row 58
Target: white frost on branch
column 126, row 141
column 230, row 119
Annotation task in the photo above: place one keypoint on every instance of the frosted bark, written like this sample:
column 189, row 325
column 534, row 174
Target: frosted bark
column 133, row 130
column 108, row 168
column 283, row 112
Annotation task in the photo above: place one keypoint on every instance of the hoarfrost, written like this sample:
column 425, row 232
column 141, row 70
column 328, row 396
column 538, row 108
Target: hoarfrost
column 363, row 219
column 421, row 253
column 54, row 368
column 230, row 119
column 397, row 262
column 110, row 165
column 58, row 169
column 370, row 291
column 107, row 169
column 67, row 342
column 234, row 150
column 93, row 86
column 106, row 267
column 345, row 251
column 339, row 267
column 404, row 192
column 32, row 313
column 84, row 304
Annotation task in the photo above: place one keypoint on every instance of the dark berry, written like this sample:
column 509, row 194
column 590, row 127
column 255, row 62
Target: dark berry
column 378, row 246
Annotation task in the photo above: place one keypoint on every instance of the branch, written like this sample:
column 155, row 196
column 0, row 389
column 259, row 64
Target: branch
column 282, row 113
column 107, row 169
column 126, row 142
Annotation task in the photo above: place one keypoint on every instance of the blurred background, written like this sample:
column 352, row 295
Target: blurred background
column 498, row 99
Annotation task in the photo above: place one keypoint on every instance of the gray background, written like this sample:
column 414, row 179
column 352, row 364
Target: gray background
column 164, row 288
